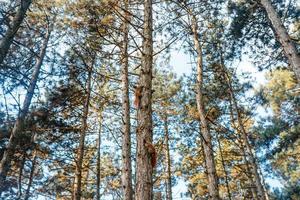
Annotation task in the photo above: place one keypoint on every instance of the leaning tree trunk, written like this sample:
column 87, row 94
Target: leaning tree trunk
column 207, row 143
column 264, row 184
column 126, row 140
column 168, row 160
column 282, row 36
column 19, row 124
column 144, row 130
column 79, row 161
column 8, row 38
column 250, row 155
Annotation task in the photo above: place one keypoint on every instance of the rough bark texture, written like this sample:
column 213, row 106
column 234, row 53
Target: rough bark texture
column 144, row 131
column 18, row 126
column 249, row 153
column 8, row 38
column 168, row 161
column 207, row 143
column 79, row 161
column 282, row 36
column 126, row 139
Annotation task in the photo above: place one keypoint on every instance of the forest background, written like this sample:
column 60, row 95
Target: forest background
column 135, row 99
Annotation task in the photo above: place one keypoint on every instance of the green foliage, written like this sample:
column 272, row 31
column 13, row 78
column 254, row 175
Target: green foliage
column 280, row 134
column 278, row 90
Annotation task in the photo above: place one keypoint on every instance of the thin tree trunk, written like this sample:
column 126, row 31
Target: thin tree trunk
column 252, row 160
column 126, row 139
column 86, row 175
column 168, row 160
column 8, row 38
column 78, row 170
column 20, row 175
column 264, row 184
column 224, row 167
column 207, row 144
column 98, row 196
column 27, row 194
column 158, row 196
column 19, row 124
column 282, row 36
column 144, row 132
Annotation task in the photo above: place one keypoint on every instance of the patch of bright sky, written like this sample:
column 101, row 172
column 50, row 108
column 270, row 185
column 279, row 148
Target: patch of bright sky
column 180, row 62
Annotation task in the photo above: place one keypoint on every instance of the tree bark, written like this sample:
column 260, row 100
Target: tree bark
column 79, row 161
column 8, row 38
column 144, row 131
column 126, row 139
column 168, row 160
column 284, row 39
column 19, row 124
column 213, row 187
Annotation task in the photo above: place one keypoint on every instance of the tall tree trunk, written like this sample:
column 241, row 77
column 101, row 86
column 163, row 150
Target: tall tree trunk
column 8, row 38
column 168, row 160
column 86, row 175
column 27, row 194
column 19, row 124
column 144, row 132
column 250, row 155
column 207, row 143
column 126, row 139
column 98, row 196
column 78, row 170
column 282, row 36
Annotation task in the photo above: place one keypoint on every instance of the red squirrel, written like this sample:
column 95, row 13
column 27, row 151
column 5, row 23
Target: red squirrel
column 152, row 152
column 137, row 96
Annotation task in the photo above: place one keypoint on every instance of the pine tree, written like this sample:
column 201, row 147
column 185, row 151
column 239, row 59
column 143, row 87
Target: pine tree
column 144, row 109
